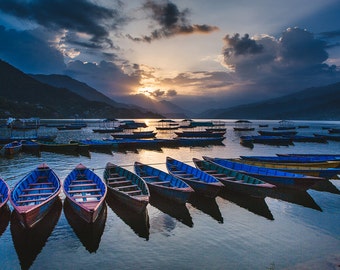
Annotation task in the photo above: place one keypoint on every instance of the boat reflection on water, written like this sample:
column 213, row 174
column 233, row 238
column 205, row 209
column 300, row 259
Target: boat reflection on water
column 173, row 209
column 255, row 205
column 207, row 206
column 139, row 223
column 296, row 196
column 5, row 216
column 89, row 234
column 29, row 242
column 326, row 186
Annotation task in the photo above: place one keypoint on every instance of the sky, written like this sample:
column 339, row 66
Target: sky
column 197, row 54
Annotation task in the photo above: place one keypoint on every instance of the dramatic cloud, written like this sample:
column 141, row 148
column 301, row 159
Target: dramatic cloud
column 106, row 77
column 294, row 61
column 81, row 16
column 171, row 21
column 29, row 51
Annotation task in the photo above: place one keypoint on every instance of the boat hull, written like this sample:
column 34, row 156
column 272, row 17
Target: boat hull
column 34, row 195
column 85, row 193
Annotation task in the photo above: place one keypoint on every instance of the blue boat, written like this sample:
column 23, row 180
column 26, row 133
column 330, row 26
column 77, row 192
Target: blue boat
column 235, row 181
column 127, row 187
column 271, row 140
column 34, row 195
column 276, row 177
column 200, row 181
column 292, row 159
column 85, row 192
column 4, row 193
column 163, row 184
column 11, row 149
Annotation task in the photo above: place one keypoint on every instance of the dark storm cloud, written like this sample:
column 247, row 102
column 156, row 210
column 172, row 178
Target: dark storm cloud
column 241, row 46
column 294, row 61
column 171, row 93
column 157, row 93
column 74, row 15
column 29, row 51
column 171, row 21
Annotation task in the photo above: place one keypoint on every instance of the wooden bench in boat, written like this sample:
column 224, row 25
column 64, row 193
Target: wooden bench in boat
column 161, row 183
column 134, row 192
column 227, row 178
column 119, row 183
column 40, row 184
column 35, row 194
column 37, row 189
column 178, row 172
column 114, row 174
column 83, row 185
column 151, row 177
column 81, row 181
column 127, row 187
column 117, row 178
column 29, row 201
column 184, row 175
column 86, row 196
column 210, row 171
column 83, row 190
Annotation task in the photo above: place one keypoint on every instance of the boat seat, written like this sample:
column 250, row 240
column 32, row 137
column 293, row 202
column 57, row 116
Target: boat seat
column 83, row 190
column 29, row 201
column 176, row 172
column 83, row 185
column 81, row 181
column 42, row 177
column 36, row 189
column 119, row 182
column 86, row 196
column 116, row 178
column 40, row 183
column 151, row 177
column 127, row 187
column 227, row 178
column 114, row 174
column 161, row 183
column 184, row 174
column 134, row 192
column 35, row 194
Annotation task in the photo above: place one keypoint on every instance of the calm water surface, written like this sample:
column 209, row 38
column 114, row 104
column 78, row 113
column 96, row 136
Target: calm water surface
column 291, row 230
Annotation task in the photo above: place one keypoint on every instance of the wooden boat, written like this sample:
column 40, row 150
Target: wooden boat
column 33, row 196
column 328, row 137
column 127, row 187
column 163, row 184
column 243, row 125
column 334, row 130
column 167, row 124
column 324, row 160
column 4, row 193
column 71, row 147
column 131, row 124
column 86, row 192
column 30, row 146
column 11, row 149
column 304, row 138
column 107, row 130
column 277, row 132
column 273, row 176
column 217, row 129
column 135, row 135
column 235, row 180
column 327, row 173
column 271, row 140
column 200, row 181
column 202, row 133
column 5, row 140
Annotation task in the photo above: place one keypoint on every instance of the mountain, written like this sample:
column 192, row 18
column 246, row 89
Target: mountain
column 316, row 103
column 80, row 88
column 23, row 96
column 166, row 108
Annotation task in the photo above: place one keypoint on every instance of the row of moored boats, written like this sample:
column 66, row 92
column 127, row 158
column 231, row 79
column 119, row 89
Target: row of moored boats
column 34, row 195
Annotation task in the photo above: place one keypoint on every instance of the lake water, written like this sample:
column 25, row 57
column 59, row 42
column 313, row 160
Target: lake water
column 292, row 230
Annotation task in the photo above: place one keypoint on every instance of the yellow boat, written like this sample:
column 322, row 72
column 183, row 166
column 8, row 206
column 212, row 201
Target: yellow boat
column 327, row 169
